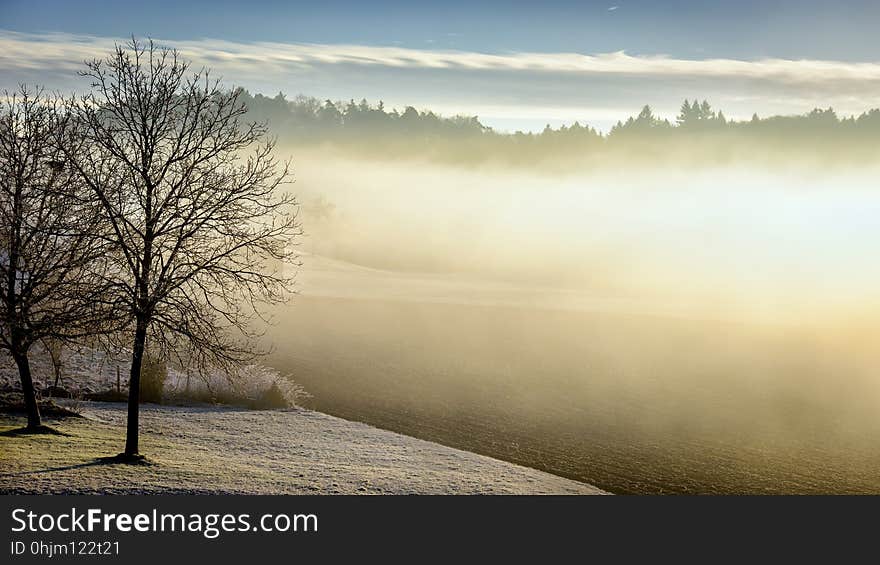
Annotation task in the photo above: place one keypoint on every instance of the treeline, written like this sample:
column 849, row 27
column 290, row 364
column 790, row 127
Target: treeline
column 698, row 133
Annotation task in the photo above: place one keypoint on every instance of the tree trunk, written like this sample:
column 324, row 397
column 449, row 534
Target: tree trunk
column 57, row 368
column 27, row 389
column 134, row 388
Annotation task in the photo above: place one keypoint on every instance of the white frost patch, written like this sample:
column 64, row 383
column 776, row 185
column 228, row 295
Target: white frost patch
column 213, row 450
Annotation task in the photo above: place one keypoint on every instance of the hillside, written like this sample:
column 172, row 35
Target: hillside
column 221, row 450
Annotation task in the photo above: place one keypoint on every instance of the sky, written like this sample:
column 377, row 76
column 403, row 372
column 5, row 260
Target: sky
column 517, row 65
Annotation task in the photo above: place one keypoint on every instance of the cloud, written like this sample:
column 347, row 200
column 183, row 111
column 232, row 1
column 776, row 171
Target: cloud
column 515, row 79
column 18, row 50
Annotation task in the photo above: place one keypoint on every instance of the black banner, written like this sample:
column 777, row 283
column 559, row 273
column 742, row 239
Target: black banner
column 284, row 529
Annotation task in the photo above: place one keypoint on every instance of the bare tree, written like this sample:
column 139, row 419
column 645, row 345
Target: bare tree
column 50, row 246
column 201, row 231
column 55, row 350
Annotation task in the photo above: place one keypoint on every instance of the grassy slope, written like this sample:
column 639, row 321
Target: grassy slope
column 202, row 450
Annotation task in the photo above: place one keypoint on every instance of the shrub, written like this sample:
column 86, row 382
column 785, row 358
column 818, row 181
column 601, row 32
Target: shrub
column 253, row 386
column 271, row 399
column 154, row 372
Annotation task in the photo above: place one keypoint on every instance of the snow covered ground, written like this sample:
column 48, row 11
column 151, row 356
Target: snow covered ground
column 223, row 450
column 88, row 370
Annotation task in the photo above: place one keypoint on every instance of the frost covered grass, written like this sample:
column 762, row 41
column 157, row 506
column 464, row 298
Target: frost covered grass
column 251, row 386
column 226, row 450
column 94, row 374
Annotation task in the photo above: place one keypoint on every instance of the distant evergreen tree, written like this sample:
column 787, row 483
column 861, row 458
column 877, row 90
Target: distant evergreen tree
column 686, row 114
column 706, row 112
column 329, row 115
column 646, row 116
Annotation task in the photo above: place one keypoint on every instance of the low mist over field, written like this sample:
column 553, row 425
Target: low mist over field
column 614, row 326
column 770, row 246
